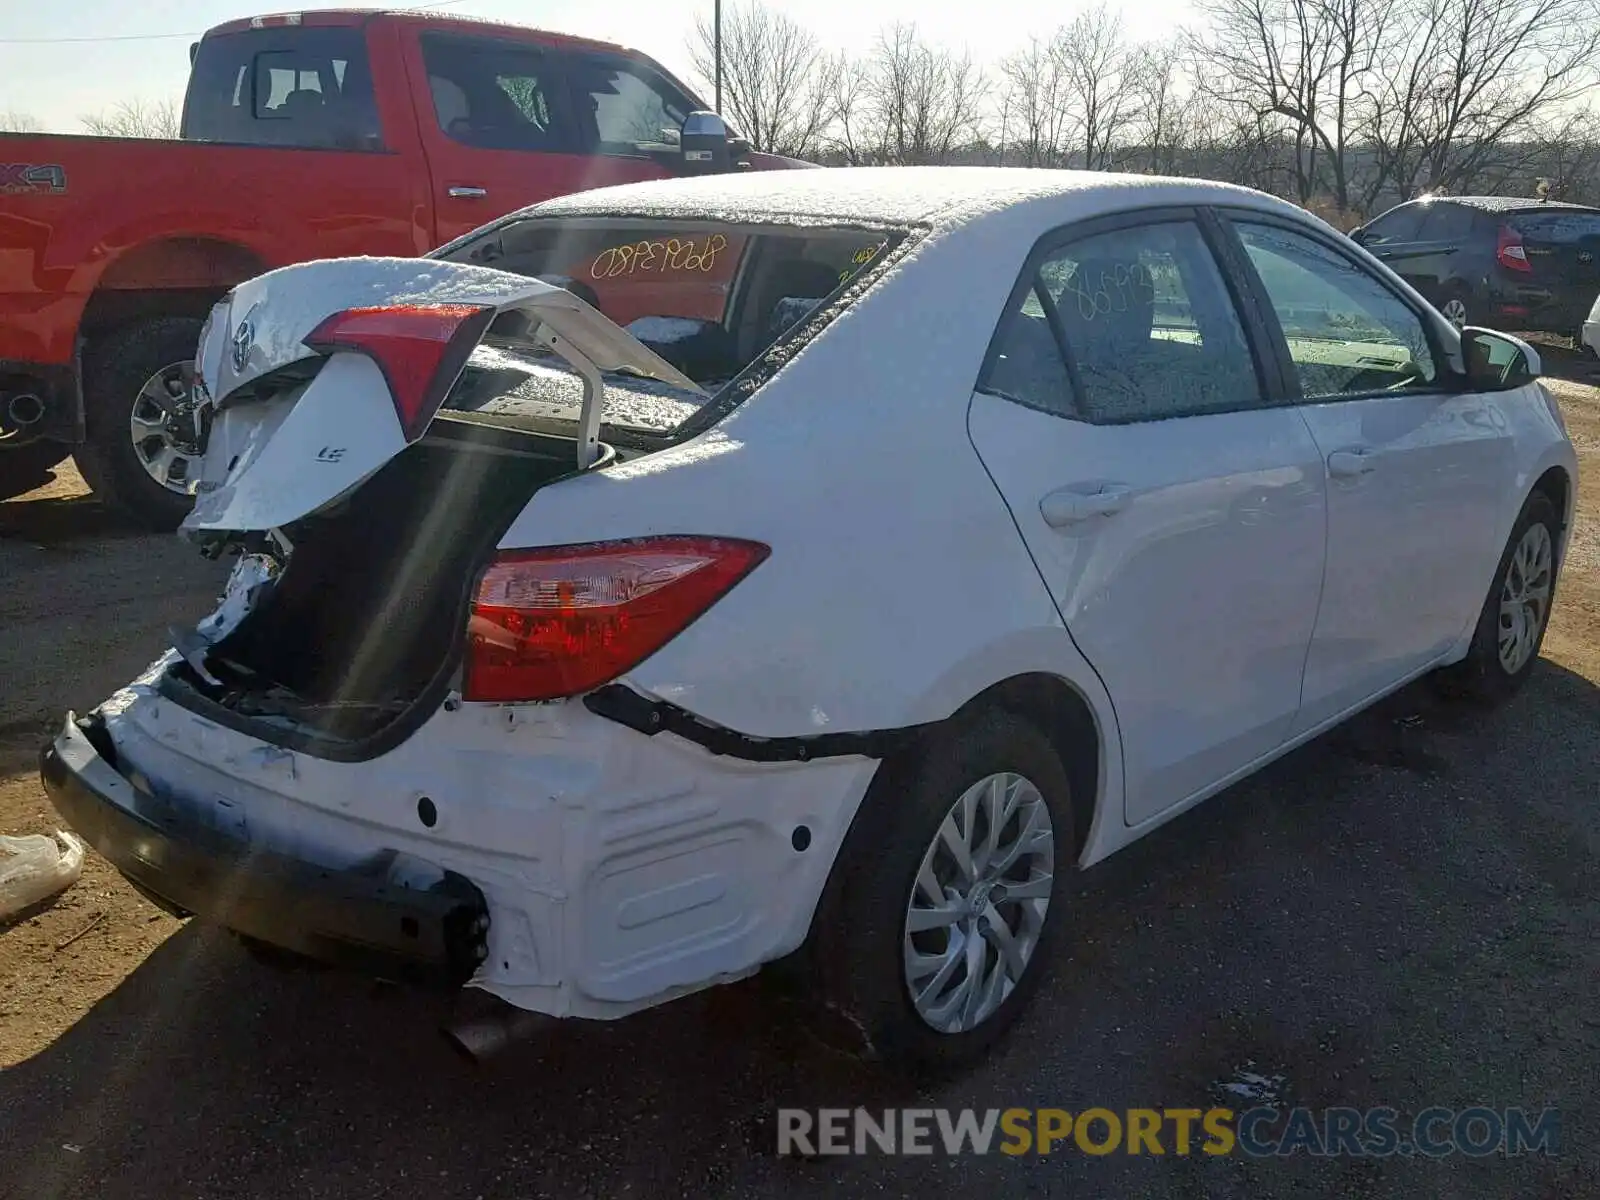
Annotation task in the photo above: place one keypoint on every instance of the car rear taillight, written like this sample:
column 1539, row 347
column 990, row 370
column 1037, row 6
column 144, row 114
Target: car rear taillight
column 562, row 620
column 420, row 348
column 1510, row 253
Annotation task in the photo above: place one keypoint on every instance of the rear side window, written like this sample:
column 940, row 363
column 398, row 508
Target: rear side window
column 1148, row 327
column 292, row 87
column 495, row 95
column 1557, row 227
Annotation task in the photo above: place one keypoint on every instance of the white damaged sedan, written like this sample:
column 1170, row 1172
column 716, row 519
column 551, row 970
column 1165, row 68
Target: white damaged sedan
column 668, row 579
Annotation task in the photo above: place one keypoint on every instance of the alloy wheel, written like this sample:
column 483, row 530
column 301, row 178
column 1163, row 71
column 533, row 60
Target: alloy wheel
column 979, row 903
column 1455, row 310
column 1525, row 597
column 167, row 428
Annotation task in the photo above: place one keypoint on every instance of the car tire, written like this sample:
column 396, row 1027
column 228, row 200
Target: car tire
column 1505, row 645
column 863, row 950
column 23, row 468
column 121, row 374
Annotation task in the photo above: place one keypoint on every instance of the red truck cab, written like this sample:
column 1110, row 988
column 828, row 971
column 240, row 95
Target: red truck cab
column 304, row 136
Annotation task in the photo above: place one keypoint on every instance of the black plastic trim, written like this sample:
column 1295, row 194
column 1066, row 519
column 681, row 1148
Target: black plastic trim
column 650, row 717
column 356, row 918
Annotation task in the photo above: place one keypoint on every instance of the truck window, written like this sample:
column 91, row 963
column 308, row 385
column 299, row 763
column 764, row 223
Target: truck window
column 284, row 86
column 492, row 94
column 624, row 108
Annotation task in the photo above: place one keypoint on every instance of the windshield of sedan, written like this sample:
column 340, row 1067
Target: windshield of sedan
column 709, row 298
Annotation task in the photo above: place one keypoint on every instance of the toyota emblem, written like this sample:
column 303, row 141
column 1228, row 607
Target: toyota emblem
column 244, row 339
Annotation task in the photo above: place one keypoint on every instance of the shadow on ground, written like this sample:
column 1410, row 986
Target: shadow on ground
column 1402, row 913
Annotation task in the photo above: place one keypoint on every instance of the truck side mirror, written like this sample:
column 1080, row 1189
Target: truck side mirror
column 703, row 143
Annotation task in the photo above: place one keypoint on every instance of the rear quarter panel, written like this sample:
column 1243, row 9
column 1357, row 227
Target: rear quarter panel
column 898, row 586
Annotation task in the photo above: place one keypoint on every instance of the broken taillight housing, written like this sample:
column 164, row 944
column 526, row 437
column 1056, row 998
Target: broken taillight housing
column 562, row 620
column 420, row 348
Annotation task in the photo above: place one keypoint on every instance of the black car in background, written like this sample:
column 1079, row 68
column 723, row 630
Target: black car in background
column 1495, row 260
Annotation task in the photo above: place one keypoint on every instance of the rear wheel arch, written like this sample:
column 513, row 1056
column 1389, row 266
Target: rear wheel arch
column 166, row 277
column 1061, row 713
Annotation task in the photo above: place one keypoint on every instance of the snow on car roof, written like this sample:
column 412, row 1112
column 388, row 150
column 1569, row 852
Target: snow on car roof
column 886, row 195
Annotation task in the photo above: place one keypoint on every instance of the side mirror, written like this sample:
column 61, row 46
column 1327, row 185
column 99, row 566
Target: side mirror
column 1498, row 362
column 703, row 143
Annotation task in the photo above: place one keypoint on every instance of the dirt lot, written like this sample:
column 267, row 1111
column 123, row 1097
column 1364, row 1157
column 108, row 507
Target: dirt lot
column 1405, row 913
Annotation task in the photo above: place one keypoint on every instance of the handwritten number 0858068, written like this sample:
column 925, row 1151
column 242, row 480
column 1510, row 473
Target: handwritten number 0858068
column 1117, row 289
column 669, row 255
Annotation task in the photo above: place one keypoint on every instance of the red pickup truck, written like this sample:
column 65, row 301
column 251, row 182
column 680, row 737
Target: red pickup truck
column 304, row 136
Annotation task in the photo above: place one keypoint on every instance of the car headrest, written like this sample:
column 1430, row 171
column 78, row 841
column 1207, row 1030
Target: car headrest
column 1107, row 307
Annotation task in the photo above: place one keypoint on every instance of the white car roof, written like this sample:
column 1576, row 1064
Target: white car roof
column 940, row 196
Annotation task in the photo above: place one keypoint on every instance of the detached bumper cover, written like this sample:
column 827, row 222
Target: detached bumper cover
column 364, row 918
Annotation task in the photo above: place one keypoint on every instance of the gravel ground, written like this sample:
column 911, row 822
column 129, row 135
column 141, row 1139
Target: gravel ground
column 1405, row 913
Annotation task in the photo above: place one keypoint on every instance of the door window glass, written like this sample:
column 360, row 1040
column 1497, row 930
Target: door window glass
column 623, row 110
column 1148, row 326
column 1403, row 224
column 490, row 94
column 1348, row 334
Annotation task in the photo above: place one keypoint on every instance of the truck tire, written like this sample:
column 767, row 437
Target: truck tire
column 139, row 373
column 23, row 468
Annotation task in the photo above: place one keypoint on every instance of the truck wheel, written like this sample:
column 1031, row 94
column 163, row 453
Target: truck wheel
column 24, row 468
column 143, row 447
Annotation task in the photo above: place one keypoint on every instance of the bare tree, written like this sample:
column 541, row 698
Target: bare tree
column 1097, row 62
column 778, row 85
column 15, row 121
column 912, row 104
column 135, row 119
column 1474, row 82
column 1034, row 105
column 1164, row 119
column 1301, row 67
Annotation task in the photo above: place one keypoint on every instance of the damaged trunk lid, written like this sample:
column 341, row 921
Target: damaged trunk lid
column 317, row 375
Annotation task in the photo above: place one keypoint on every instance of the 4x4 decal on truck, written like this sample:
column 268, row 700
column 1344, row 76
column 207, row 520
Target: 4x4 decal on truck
column 32, row 177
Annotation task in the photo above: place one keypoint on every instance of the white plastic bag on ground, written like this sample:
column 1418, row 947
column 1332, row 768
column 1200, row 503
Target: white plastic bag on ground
column 34, row 867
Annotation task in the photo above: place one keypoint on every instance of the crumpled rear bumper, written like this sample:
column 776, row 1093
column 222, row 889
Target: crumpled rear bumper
column 364, row 917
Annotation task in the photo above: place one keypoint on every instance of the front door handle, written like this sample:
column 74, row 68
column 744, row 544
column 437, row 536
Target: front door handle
column 1069, row 507
column 1347, row 464
column 467, row 191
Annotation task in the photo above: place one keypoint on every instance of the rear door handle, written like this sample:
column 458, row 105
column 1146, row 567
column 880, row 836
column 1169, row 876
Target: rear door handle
column 1069, row 507
column 467, row 191
column 1347, row 464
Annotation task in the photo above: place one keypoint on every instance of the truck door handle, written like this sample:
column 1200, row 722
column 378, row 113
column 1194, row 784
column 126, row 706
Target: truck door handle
column 468, row 192
column 1068, row 506
column 1347, row 464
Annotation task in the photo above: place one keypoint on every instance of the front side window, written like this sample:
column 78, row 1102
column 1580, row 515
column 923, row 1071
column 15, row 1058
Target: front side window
column 492, row 95
column 288, row 87
column 1446, row 222
column 1347, row 333
column 623, row 109
column 1147, row 324
column 1401, row 224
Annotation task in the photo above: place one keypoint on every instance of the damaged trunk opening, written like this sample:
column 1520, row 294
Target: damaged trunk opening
column 354, row 643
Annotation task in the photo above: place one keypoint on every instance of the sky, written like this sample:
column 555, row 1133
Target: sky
column 57, row 80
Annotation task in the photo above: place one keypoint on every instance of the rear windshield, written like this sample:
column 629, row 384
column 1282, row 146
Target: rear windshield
column 1556, row 227
column 709, row 298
